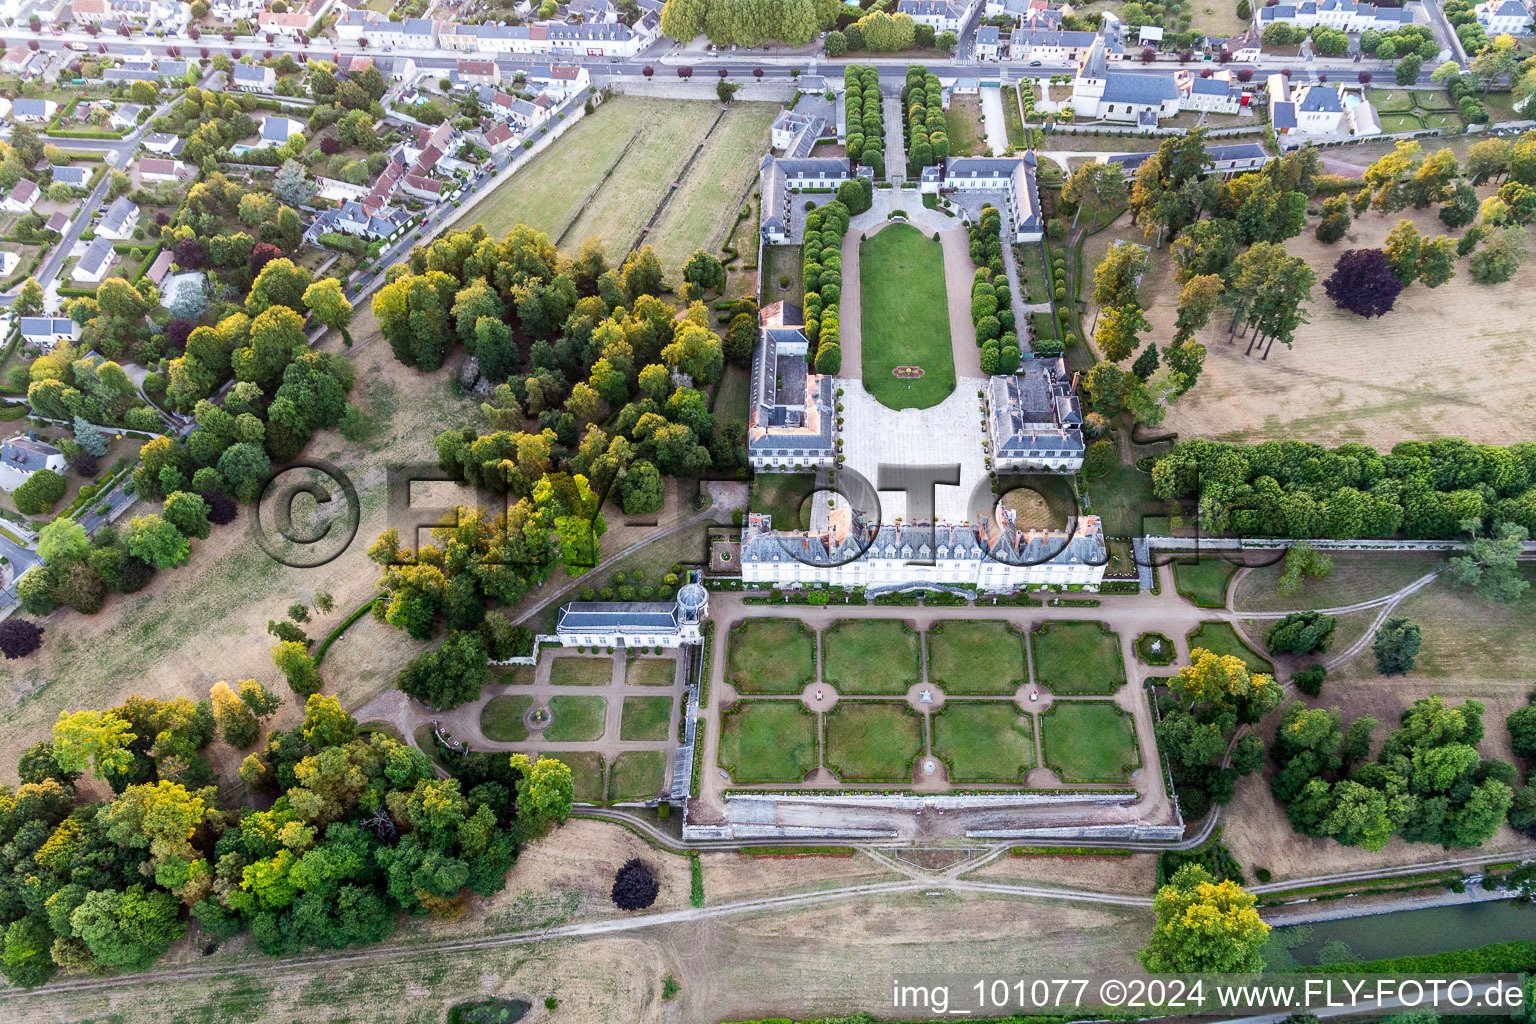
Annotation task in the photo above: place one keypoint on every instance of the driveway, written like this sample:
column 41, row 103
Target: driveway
column 994, row 120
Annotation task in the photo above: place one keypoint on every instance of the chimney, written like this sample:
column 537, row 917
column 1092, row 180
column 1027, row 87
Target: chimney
column 1073, row 388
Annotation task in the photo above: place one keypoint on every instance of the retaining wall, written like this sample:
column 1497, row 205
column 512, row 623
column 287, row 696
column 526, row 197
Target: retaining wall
column 768, row 803
column 667, row 86
column 704, row 833
column 1133, row 831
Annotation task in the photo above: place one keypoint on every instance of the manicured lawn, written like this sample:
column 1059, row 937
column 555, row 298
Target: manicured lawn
column 1203, row 580
column 873, row 741
column 984, row 741
column 1121, row 497
column 1032, row 271
column 586, row 772
column 646, row 718
column 975, row 657
column 575, row 719
column 502, row 718
column 870, row 656
column 770, row 656
column 782, row 261
column 636, row 775
column 1401, row 122
column 768, row 741
column 962, row 123
column 1013, row 118
column 1390, row 101
column 1077, row 657
column 1219, row 638
column 578, row 671
column 650, row 672
column 782, row 496
column 905, row 317
column 1088, row 741
column 516, row 675
column 1163, row 655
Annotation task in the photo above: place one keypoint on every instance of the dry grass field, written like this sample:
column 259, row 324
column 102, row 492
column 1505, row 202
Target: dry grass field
column 1454, row 360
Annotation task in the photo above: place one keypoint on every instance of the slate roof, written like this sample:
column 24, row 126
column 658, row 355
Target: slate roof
column 986, row 35
column 26, row 454
column 640, row 617
column 1283, row 115
column 118, row 214
column 1034, row 410
column 26, row 191
column 45, row 326
column 30, row 108
column 1120, row 87
column 1320, row 100
column 96, row 256
column 249, row 73
column 1051, row 37
column 277, row 129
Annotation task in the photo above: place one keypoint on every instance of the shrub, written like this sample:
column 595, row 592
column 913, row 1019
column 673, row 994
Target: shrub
column 1310, row 680
column 635, row 886
column 39, row 493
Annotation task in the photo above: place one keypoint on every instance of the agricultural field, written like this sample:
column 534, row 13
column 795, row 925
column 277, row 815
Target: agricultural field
column 768, row 741
column 621, row 160
column 1077, row 657
column 770, row 656
column 904, row 318
column 984, row 741
column 872, row 741
column 1376, row 382
column 975, row 657
column 869, row 656
column 1088, row 741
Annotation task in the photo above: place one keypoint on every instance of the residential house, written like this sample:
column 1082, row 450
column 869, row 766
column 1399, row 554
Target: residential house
column 67, row 174
column 1309, row 110
column 154, row 169
column 23, row 456
column 22, row 197
column 1503, row 17
column 1119, row 95
column 276, row 130
column 160, row 268
column 95, row 262
column 498, row 138
column 411, row 33
column 172, row 69
column 987, row 43
column 1149, row 35
column 119, row 220
column 1034, row 419
column 791, row 424
column 9, row 261
column 89, row 12
column 795, row 132
column 287, row 25
column 33, row 111
column 778, row 178
column 942, row 15
column 1245, row 49
column 476, row 72
column 1227, row 161
column 496, row 103
column 354, row 25
column 1015, row 177
column 129, row 75
column 1344, row 15
column 251, row 78
column 600, row 40
column 368, row 218
column 126, row 117
column 1361, row 118
column 228, row 11
column 422, row 187
column 48, row 331
column 1056, row 46
column 1217, row 93
column 163, row 143
column 57, row 223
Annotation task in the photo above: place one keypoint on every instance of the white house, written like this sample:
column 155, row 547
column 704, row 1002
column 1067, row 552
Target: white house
column 993, row 555
column 1034, row 419
column 1344, row 15
column 987, row 43
column 251, row 78
column 22, row 197
column 287, row 25
column 791, row 424
column 21, row 457
column 412, row 33
column 1119, row 95
column 1014, row 177
column 353, row 25
column 778, row 178
column 941, row 15
column 48, row 331
column 276, row 130
column 634, row 624
column 1055, row 45
column 1310, row 110
column 119, row 220
column 127, row 116
column 1503, row 17
column 162, row 143
column 152, row 169
column 94, row 263
column 1216, row 94
column 476, row 72
column 33, row 110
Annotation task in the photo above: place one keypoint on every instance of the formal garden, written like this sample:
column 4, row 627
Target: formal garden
column 975, row 657
column 578, row 671
column 904, row 318
column 1203, row 581
column 873, row 741
column 650, row 671
column 870, row 656
column 984, row 741
column 771, row 656
column 768, row 741
column 1077, row 658
column 1089, row 741
column 1221, row 639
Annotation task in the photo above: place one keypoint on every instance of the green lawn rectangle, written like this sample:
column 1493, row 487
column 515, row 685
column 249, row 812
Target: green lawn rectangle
column 1220, row 638
column 973, row 656
column 646, row 718
column 650, row 672
column 578, row 671
column 1203, row 580
column 768, row 741
column 1077, row 657
column 962, row 123
column 783, row 496
column 1088, row 741
column 636, row 775
column 502, row 718
column 770, row 656
column 984, row 741
column 905, row 317
column 575, row 719
column 517, row 675
column 873, row 741
column 869, row 656
column 586, row 772
column 1390, row 101
column 1401, row 123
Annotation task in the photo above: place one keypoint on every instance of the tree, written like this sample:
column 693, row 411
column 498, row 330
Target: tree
column 329, row 304
column 89, row 437
column 298, row 667
column 449, row 675
column 1490, row 564
column 546, row 793
column 1204, row 926
column 1117, row 330
column 98, row 738
column 635, row 886
column 1396, row 645
column 63, row 540
column 127, row 929
column 1407, row 71
column 237, row 722
column 1402, row 247
column 1220, row 685
column 1522, row 732
column 641, row 488
column 19, row 637
column 1300, row 633
column 293, row 185
column 1437, row 261
column 1364, row 283
column 157, row 542
column 39, row 492
column 188, row 513
column 726, row 91
column 280, row 283
column 262, row 701
column 1502, row 254
column 704, row 272
column 29, row 300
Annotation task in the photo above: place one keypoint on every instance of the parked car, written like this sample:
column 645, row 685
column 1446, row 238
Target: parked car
column 1034, row 63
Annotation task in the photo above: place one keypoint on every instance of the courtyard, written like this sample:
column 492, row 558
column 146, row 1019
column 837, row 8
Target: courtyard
column 904, row 318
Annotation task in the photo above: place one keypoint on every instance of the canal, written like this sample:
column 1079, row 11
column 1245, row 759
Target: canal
column 1408, row 932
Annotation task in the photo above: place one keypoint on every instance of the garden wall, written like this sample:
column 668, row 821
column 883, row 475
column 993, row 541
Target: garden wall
column 667, row 86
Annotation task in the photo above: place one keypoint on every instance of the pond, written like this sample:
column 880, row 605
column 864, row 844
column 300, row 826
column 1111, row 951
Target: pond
column 1413, row 932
